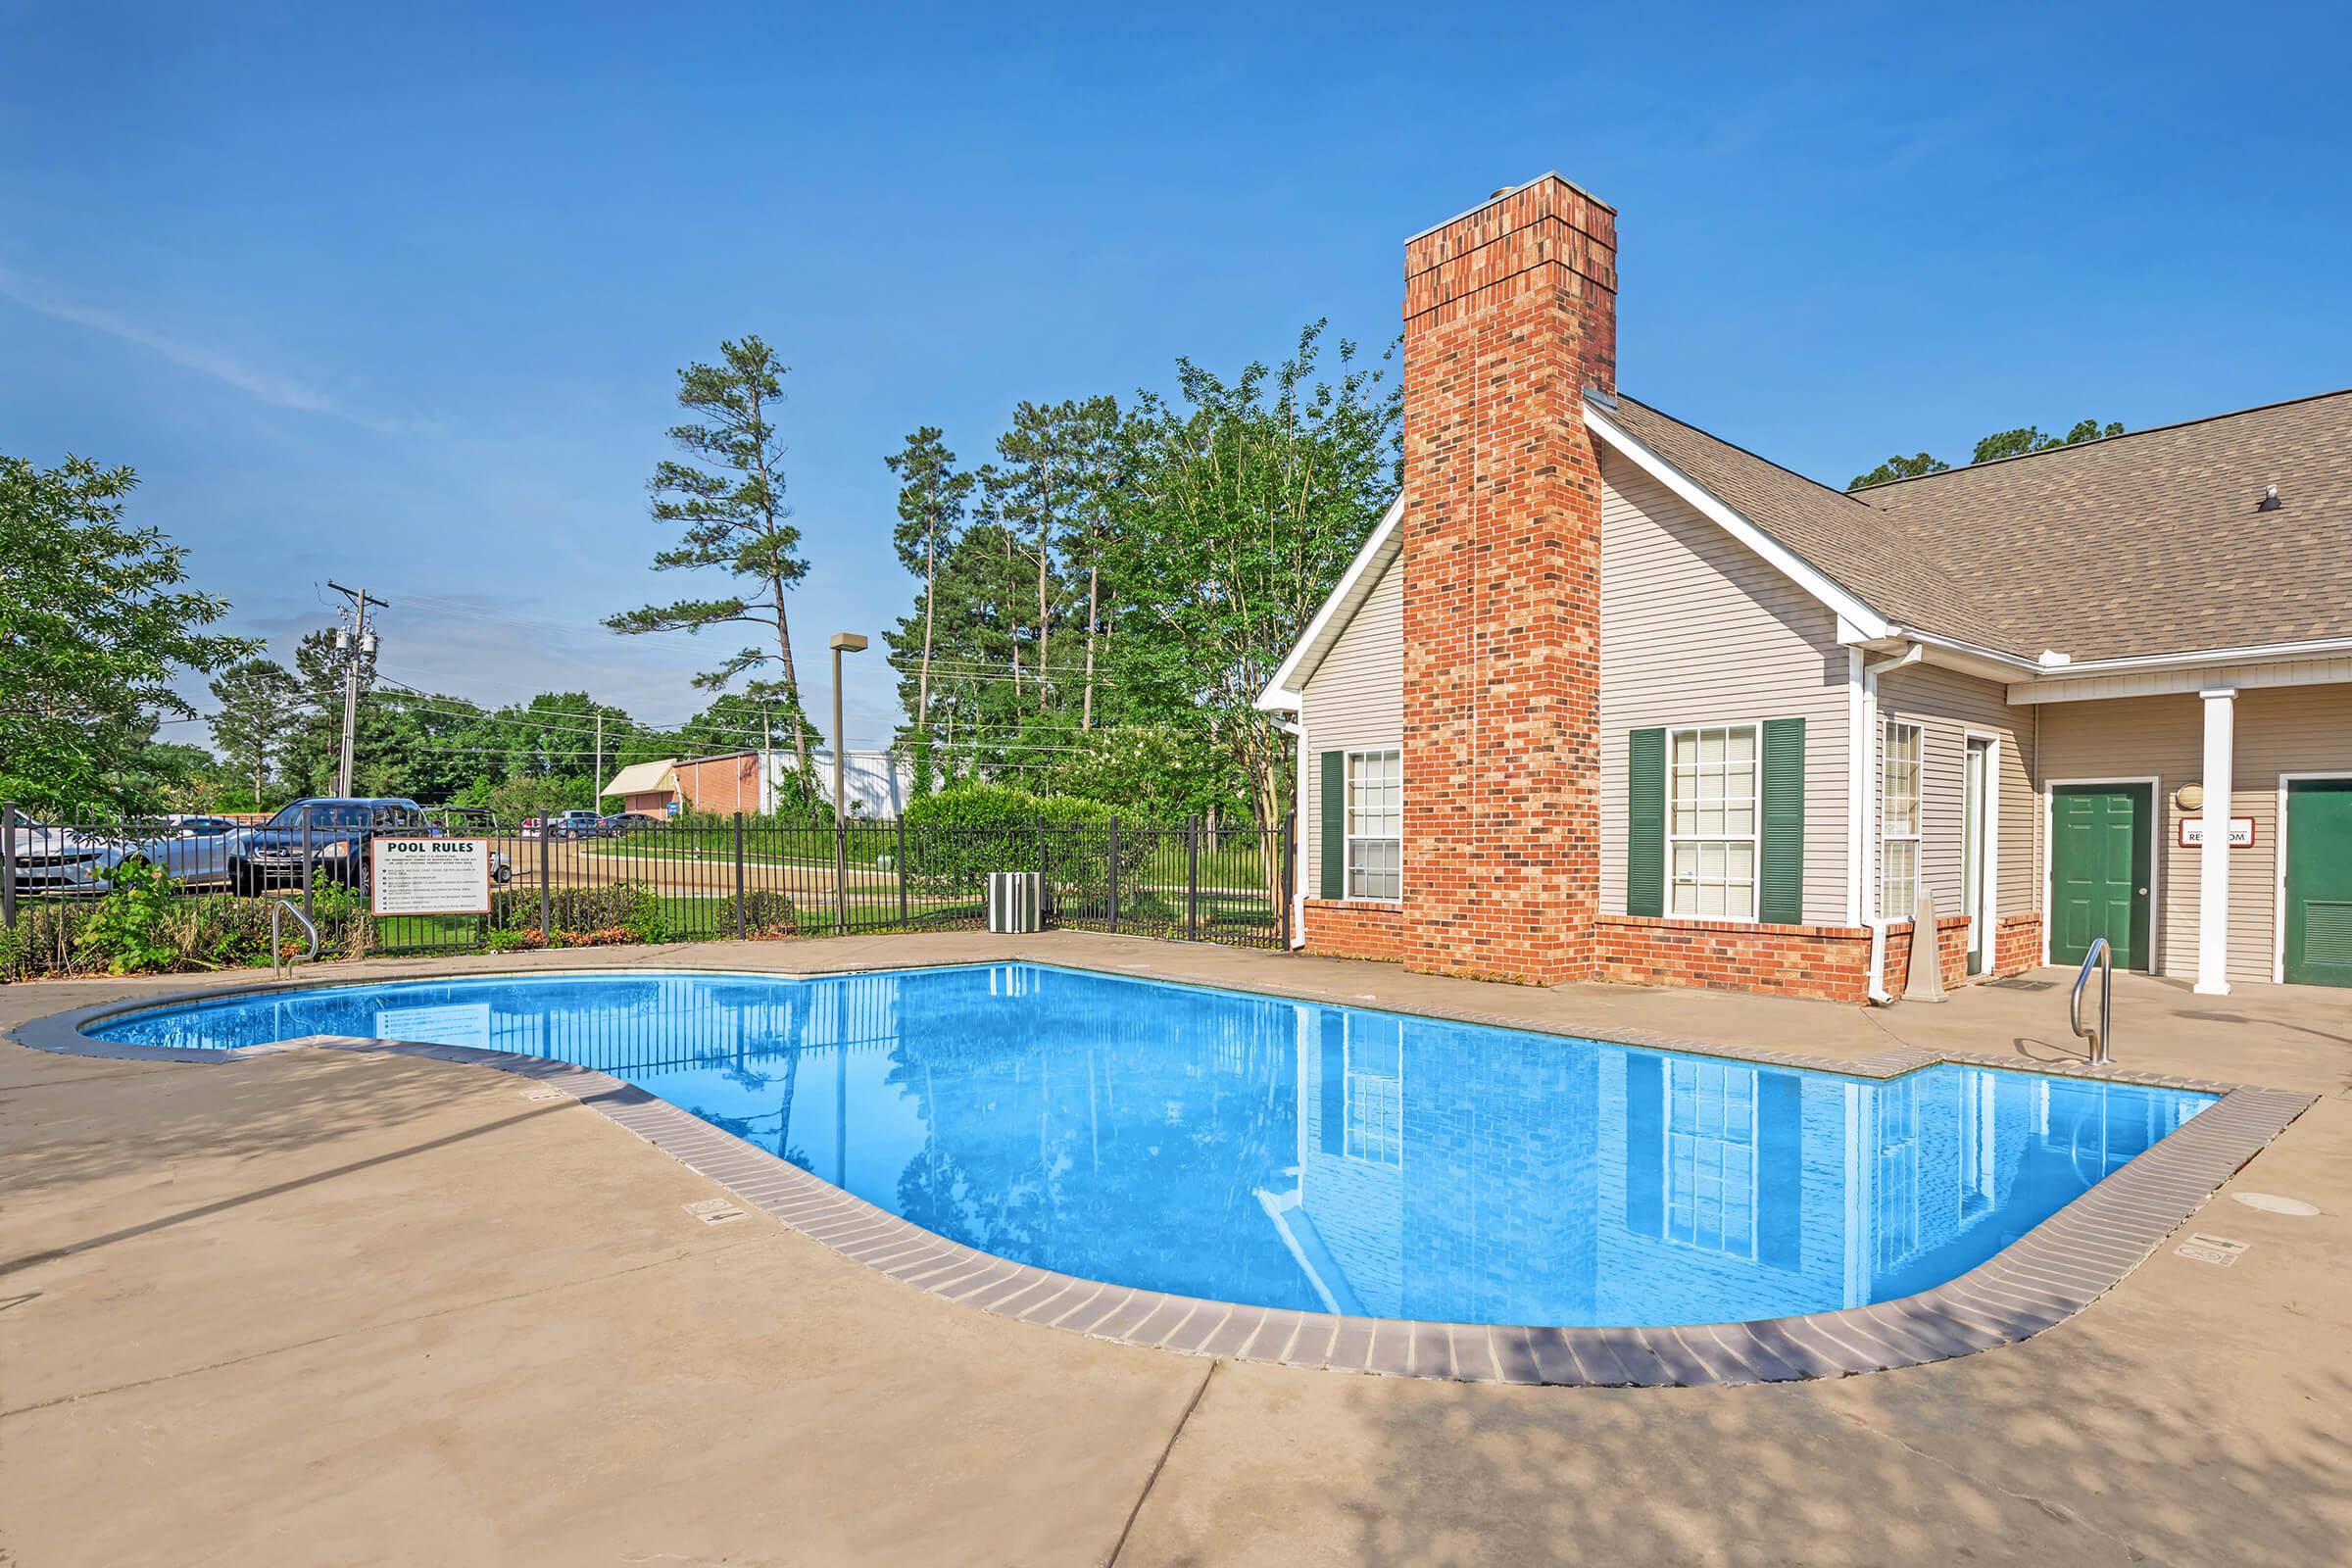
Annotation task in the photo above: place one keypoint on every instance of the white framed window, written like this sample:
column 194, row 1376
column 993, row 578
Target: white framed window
column 1711, row 1156
column 1711, row 822
column 1372, row 1064
column 1375, row 824
column 1899, row 756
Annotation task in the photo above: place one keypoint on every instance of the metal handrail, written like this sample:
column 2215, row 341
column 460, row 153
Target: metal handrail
column 279, row 965
column 2104, row 957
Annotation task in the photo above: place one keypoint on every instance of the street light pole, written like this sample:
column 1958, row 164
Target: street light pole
column 843, row 641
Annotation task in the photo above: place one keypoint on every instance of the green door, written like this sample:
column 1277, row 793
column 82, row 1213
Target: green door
column 2319, row 881
column 2099, row 871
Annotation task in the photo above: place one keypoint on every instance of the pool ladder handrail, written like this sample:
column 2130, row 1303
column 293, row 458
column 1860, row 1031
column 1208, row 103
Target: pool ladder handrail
column 280, row 963
column 2104, row 957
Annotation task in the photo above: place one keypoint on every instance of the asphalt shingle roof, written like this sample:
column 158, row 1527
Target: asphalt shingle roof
column 2146, row 543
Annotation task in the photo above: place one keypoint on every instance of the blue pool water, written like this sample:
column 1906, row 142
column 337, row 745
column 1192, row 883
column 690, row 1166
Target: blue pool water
column 1292, row 1155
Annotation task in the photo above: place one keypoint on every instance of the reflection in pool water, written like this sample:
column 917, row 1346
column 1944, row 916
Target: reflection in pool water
column 1293, row 1155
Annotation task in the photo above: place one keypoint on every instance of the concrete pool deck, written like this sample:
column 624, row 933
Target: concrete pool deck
column 326, row 1306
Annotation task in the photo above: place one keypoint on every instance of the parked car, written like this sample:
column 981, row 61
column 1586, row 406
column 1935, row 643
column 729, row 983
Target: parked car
column 621, row 822
column 474, row 822
column 339, row 835
column 564, row 825
column 193, row 850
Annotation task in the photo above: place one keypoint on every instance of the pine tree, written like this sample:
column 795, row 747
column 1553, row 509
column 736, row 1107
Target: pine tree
column 734, row 519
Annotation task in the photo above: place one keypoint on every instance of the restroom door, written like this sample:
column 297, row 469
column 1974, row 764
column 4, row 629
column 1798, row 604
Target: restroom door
column 2319, row 882
column 1975, row 796
column 2101, row 860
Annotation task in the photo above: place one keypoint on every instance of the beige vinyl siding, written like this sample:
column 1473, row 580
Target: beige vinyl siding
column 1354, row 702
column 1695, row 629
column 2291, row 729
column 1948, row 706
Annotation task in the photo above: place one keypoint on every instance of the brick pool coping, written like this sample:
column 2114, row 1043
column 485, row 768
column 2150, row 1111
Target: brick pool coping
column 2043, row 1278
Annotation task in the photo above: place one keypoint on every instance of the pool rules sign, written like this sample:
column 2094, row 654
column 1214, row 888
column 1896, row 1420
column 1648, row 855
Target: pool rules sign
column 432, row 876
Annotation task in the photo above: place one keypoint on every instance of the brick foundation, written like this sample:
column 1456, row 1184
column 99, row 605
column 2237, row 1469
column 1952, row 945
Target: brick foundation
column 1509, row 313
column 1346, row 928
column 1823, row 962
column 2017, row 945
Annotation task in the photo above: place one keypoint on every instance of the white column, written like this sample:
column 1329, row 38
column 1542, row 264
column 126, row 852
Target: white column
column 2212, row 861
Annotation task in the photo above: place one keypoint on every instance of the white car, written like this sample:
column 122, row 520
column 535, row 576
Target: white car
column 193, row 850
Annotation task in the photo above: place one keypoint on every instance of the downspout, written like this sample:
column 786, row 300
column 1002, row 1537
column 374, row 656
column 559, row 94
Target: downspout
column 1297, row 730
column 1880, row 996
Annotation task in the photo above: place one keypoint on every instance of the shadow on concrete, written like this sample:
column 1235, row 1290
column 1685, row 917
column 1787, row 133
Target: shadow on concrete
column 275, row 1190
column 2065, row 1457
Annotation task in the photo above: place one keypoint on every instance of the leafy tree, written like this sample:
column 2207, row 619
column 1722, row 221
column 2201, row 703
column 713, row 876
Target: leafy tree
column 94, row 627
column 2016, row 443
column 733, row 518
column 1250, row 496
column 259, row 707
column 2000, row 444
column 1899, row 467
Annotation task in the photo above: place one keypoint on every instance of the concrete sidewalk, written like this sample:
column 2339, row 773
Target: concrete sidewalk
column 322, row 1307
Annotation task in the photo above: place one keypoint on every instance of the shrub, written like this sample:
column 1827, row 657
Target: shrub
column 957, row 837
column 130, row 930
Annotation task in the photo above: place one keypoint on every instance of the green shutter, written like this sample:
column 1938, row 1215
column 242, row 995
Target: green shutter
column 1646, row 821
column 1781, row 879
column 1332, row 801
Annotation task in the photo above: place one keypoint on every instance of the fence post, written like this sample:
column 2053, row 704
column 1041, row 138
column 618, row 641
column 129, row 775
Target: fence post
column 547, row 853
column 307, row 868
column 1192, row 877
column 739, row 876
column 1044, row 878
column 841, row 867
column 1114, row 873
column 8, row 878
column 898, row 858
column 8, row 865
column 1287, row 881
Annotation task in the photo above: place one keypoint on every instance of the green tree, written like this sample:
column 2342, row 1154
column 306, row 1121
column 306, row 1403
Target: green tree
column 95, row 626
column 931, row 503
column 2016, row 443
column 733, row 518
column 1250, row 498
column 1992, row 447
column 259, row 707
column 1899, row 466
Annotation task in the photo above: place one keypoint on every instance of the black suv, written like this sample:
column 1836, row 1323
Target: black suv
column 340, row 832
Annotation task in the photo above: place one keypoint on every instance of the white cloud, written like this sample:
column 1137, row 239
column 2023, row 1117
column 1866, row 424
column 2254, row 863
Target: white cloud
column 265, row 385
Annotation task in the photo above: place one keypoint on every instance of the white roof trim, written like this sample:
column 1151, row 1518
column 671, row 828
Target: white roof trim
column 2256, row 653
column 1859, row 616
column 1306, row 655
column 644, row 778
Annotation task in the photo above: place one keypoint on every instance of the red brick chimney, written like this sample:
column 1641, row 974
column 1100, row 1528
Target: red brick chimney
column 1510, row 312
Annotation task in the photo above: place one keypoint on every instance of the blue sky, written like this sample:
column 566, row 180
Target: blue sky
column 395, row 295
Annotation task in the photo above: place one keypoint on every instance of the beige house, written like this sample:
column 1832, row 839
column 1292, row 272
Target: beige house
column 2103, row 690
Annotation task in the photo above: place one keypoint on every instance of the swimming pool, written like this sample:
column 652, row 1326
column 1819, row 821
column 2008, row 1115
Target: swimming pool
column 1301, row 1156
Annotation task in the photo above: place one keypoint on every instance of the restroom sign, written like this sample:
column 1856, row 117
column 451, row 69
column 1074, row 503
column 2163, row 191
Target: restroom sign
column 431, row 876
column 2192, row 832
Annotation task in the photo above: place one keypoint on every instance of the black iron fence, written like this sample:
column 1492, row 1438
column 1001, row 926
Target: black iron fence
column 196, row 893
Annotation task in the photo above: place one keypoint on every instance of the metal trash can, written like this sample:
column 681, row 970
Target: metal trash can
column 1015, row 902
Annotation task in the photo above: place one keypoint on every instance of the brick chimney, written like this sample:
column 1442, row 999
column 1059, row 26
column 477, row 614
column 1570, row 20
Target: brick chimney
column 1510, row 312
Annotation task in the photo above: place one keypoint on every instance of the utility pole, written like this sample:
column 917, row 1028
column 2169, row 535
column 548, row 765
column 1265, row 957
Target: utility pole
column 357, row 644
column 596, row 782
